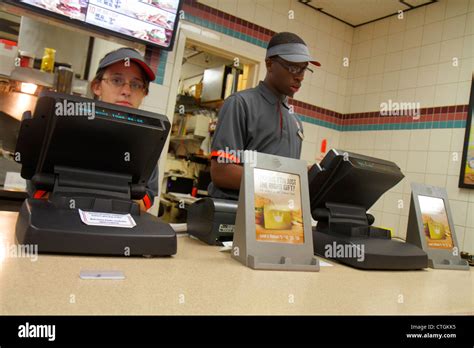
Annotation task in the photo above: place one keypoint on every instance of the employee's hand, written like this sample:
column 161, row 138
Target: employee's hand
column 142, row 205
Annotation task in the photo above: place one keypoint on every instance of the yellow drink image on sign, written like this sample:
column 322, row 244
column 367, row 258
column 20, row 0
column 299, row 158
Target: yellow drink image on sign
column 436, row 230
column 276, row 218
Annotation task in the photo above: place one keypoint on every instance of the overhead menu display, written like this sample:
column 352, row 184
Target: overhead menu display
column 150, row 21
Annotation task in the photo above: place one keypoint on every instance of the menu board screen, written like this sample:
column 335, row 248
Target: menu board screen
column 149, row 21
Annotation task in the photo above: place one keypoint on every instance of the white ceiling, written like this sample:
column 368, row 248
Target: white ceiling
column 358, row 12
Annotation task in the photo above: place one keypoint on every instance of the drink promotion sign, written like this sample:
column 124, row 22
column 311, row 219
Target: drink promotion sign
column 278, row 216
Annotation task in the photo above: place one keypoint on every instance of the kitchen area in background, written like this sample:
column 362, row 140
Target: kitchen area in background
column 34, row 57
column 207, row 79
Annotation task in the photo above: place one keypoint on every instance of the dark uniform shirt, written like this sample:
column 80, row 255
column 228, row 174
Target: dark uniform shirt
column 255, row 119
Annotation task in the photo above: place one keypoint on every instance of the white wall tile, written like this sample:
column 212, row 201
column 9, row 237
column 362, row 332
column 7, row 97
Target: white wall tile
column 468, row 244
column 457, row 7
column 450, row 49
column 440, row 139
column 454, row 192
column 379, row 46
column 435, row 12
column 408, row 79
column 400, row 140
column 376, row 65
column 454, row 27
column 437, row 180
column 425, row 96
column 390, row 81
column 416, row 162
column 396, row 24
column 410, row 58
column 430, row 54
column 458, row 211
column 437, row 162
column 446, row 94
column 427, row 75
column 432, row 33
column 413, row 38
column 465, row 69
column 420, row 140
column 395, row 42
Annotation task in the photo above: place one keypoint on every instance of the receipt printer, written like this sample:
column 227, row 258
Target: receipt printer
column 212, row 220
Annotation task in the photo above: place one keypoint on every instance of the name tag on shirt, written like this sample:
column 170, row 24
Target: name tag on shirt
column 300, row 134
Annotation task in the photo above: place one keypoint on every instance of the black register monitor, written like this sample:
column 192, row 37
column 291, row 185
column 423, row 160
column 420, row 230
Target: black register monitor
column 92, row 157
column 342, row 188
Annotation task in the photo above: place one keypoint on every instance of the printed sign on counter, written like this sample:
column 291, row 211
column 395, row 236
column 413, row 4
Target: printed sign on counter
column 278, row 216
column 92, row 218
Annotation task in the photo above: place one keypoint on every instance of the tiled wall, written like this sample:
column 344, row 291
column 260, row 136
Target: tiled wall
column 411, row 60
column 426, row 57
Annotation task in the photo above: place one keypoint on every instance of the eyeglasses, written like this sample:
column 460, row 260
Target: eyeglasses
column 135, row 86
column 292, row 69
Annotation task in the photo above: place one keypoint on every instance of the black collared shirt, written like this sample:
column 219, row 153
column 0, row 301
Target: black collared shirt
column 255, row 119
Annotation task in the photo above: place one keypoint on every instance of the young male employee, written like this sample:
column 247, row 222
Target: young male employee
column 259, row 118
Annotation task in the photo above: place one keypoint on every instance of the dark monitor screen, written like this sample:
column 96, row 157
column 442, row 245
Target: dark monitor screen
column 82, row 133
column 152, row 22
column 350, row 178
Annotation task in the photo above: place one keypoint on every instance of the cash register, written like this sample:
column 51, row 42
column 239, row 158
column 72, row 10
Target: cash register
column 342, row 189
column 92, row 158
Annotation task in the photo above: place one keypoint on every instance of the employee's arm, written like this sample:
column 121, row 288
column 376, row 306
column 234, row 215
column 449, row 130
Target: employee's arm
column 226, row 175
column 230, row 134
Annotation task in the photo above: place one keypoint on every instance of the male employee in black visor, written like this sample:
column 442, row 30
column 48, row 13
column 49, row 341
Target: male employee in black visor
column 259, row 118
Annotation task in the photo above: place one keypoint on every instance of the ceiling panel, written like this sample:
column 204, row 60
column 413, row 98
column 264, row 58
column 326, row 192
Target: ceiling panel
column 358, row 12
